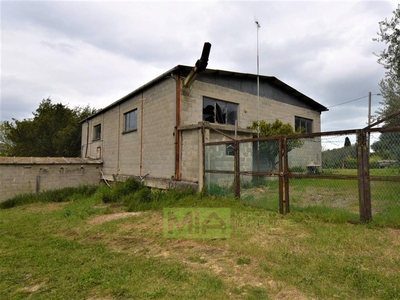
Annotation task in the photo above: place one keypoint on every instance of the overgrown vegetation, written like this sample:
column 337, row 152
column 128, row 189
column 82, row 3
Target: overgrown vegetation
column 79, row 249
column 60, row 195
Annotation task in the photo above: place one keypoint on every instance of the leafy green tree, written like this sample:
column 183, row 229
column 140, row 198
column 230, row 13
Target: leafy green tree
column 270, row 149
column 54, row 130
column 4, row 143
column 388, row 145
column 389, row 58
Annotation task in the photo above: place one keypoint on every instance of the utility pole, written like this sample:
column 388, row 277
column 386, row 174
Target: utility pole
column 258, row 81
column 369, row 108
column 369, row 117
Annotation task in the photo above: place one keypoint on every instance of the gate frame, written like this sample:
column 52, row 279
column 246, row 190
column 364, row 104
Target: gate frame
column 284, row 174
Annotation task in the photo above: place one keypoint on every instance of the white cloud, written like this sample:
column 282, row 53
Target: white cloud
column 94, row 53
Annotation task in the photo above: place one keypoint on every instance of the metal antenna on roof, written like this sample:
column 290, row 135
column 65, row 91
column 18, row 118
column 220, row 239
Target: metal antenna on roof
column 258, row 80
column 258, row 100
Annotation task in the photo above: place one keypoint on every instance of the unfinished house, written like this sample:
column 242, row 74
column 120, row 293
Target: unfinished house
column 156, row 133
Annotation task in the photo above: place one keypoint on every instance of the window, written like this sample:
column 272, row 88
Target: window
column 97, row 132
column 305, row 125
column 130, row 120
column 218, row 111
column 230, row 150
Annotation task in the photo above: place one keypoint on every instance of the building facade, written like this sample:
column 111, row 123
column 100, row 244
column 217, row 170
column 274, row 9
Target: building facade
column 156, row 133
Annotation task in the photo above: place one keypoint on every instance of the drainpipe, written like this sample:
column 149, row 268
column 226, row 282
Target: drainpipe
column 141, row 136
column 119, row 135
column 87, row 138
column 177, row 124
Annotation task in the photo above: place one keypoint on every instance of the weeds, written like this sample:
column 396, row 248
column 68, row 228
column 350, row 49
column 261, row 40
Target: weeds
column 55, row 251
column 60, row 195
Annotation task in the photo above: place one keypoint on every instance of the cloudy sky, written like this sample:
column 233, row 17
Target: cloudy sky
column 95, row 52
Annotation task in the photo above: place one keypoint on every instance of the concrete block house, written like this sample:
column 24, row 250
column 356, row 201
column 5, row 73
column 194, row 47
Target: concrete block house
column 154, row 133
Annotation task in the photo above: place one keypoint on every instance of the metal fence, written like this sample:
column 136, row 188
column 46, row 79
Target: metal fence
column 354, row 171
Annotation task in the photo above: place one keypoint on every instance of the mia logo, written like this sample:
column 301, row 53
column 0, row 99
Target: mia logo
column 197, row 222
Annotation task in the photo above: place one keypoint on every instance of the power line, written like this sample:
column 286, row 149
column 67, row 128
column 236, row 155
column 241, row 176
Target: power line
column 352, row 100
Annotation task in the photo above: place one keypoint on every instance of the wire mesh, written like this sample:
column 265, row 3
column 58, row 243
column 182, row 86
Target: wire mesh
column 258, row 168
column 385, row 176
column 325, row 172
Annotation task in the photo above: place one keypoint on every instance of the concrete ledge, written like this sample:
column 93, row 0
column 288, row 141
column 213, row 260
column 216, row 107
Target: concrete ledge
column 161, row 183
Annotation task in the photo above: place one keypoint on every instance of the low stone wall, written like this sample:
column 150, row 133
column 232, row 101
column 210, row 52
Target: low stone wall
column 23, row 175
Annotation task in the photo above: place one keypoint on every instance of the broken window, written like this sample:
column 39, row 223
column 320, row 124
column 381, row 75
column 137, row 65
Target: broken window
column 218, row 111
column 131, row 120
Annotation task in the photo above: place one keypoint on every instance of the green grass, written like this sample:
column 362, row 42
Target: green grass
column 373, row 172
column 78, row 249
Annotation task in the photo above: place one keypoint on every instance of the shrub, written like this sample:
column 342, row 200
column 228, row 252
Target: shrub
column 297, row 169
column 121, row 190
column 143, row 195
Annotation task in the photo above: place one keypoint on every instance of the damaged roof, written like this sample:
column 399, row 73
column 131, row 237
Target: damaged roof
column 185, row 70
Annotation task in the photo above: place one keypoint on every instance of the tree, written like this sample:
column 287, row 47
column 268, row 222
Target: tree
column 54, row 130
column 389, row 58
column 388, row 145
column 347, row 142
column 270, row 149
column 4, row 143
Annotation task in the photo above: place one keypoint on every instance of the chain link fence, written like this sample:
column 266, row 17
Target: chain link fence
column 356, row 172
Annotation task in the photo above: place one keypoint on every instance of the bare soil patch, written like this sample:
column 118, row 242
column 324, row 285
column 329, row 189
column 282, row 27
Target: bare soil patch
column 106, row 218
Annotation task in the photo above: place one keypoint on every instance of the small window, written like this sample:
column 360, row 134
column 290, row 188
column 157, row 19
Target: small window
column 97, row 132
column 230, row 149
column 218, row 111
column 131, row 120
column 303, row 125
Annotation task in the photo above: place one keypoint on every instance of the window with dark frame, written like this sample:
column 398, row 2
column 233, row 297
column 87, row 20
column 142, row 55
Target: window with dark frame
column 218, row 111
column 97, row 132
column 230, row 149
column 130, row 120
column 303, row 124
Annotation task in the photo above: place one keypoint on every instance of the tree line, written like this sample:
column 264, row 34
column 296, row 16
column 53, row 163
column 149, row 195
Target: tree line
column 54, row 130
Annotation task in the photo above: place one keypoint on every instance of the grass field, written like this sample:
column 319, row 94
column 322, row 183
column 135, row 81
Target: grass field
column 319, row 195
column 90, row 247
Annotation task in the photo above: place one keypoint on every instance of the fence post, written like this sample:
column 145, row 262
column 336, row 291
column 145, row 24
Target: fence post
column 280, row 157
column 237, row 170
column 364, row 188
column 286, row 175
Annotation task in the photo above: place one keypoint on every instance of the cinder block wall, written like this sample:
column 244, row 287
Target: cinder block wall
column 269, row 110
column 16, row 179
column 150, row 148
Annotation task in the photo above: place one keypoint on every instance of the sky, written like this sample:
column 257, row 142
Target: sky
column 93, row 53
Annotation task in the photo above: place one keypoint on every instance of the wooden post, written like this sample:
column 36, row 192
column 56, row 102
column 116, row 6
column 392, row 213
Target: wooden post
column 281, row 185
column 286, row 174
column 364, row 188
column 237, row 170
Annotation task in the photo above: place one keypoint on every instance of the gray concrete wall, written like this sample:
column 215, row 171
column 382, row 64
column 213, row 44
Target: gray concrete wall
column 151, row 148
column 269, row 109
column 22, row 178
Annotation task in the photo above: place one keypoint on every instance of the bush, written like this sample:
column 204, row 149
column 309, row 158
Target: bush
column 121, row 190
column 143, row 195
column 297, row 169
